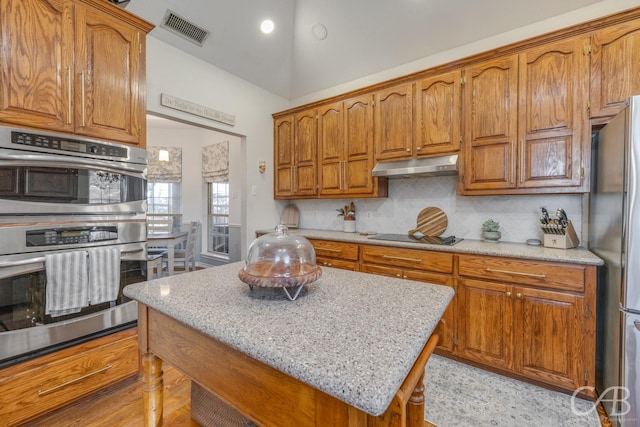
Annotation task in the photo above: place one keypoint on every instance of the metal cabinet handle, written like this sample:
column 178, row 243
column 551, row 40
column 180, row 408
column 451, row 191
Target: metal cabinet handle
column 75, row 380
column 516, row 273
column 519, row 295
column 418, row 148
column 69, row 95
column 509, row 294
column 408, row 150
column 330, row 250
column 402, row 258
column 405, row 277
column 340, row 177
column 398, row 275
column 83, row 102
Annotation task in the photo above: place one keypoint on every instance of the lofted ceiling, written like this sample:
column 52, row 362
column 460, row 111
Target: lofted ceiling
column 363, row 37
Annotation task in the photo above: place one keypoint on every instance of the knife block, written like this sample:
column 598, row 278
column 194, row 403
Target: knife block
column 567, row 240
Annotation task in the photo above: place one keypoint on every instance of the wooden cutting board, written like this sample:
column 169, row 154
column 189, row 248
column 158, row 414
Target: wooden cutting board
column 290, row 216
column 431, row 222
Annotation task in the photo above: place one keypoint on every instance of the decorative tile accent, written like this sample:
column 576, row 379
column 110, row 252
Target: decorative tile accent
column 517, row 215
column 461, row 395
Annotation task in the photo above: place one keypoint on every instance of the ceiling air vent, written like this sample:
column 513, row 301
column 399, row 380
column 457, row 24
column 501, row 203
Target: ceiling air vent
column 180, row 26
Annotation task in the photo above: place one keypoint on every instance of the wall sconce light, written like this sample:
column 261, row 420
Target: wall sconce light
column 163, row 155
column 262, row 166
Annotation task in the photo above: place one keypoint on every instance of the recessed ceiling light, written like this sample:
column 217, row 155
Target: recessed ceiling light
column 267, row 26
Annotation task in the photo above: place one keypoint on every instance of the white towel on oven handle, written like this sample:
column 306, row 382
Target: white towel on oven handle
column 67, row 283
column 104, row 274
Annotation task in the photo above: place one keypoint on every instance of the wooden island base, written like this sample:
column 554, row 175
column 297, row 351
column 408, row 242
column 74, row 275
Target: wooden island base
column 259, row 392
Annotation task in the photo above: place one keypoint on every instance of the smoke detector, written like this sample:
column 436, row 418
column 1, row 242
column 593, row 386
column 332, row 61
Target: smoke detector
column 185, row 29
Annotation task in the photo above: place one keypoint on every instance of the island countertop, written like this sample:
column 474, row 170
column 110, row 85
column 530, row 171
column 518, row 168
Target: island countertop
column 352, row 335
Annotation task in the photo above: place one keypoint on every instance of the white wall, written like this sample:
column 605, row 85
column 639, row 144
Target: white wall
column 176, row 73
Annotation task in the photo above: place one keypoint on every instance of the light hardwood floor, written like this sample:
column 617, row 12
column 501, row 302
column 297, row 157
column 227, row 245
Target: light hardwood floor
column 120, row 405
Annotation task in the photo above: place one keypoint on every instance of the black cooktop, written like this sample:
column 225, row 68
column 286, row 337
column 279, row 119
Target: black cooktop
column 447, row 241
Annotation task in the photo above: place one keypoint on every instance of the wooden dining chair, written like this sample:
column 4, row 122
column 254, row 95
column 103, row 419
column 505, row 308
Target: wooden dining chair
column 186, row 257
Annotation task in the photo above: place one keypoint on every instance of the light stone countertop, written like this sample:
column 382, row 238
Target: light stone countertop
column 506, row 249
column 352, row 335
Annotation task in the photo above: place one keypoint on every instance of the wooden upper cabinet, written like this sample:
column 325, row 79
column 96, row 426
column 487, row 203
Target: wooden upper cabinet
column 109, row 78
column 295, row 155
column 526, row 121
column 393, row 122
column 438, row 114
column 358, row 148
column 283, row 156
column 305, row 153
column 37, row 55
column 491, row 124
column 331, row 149
column 553, row 114
column 345, row 146
column 615, row 59
column 74, row 66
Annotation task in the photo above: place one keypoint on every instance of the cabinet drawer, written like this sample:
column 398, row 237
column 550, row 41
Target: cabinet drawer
column 337, row 263
column 408, row 258
column 331, row 249
column 40, row 385
column 538, row 273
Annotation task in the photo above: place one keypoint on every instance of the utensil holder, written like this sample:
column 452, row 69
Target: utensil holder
column 567, row 240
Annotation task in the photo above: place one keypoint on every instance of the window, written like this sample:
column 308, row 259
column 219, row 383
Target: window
column 218, row 218
column 164, row 200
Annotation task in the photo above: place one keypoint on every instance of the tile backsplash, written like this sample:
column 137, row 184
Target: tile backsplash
column 518, row 215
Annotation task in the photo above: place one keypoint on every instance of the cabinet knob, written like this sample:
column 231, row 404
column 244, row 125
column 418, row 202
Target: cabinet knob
column 329, row 265
column 518, row 295
column 418, row 148
column 404, row 277
column 508, row 294
column 408, row 150
column 398, row 275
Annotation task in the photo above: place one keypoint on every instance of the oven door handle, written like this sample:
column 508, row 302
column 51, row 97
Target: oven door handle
column 10, row 158
column 41, row 259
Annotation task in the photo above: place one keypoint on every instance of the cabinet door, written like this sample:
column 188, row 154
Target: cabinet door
column 393, row 122
column 109, row 70
column 330, row 149
column 491, row 120
column 553, row 114
column 615, row 57
column 438, row 114
column 446, row 326
column 36, row 63
column 283, row 169
column 549, row 334
column 305, row 153
column 358, row 145
column 485, row 319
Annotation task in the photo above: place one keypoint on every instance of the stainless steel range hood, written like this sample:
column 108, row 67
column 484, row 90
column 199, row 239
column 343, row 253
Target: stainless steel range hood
column 415, row 168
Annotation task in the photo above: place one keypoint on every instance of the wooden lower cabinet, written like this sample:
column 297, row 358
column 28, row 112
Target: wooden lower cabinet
column 40, row 385
column 330, row 253
column 543, row 334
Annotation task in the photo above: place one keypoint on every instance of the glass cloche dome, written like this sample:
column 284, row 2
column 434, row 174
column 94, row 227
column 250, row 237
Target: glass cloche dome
column 280, row 260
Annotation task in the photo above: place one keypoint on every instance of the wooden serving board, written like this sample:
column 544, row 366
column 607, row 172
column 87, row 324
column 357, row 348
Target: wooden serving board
column 431, row 222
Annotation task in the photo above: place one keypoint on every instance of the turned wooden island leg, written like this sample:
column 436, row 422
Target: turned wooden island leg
column 415, row 405
column 152, row 390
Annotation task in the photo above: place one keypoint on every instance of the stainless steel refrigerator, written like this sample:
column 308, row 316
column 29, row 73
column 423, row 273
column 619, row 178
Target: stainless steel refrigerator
column 614, row 235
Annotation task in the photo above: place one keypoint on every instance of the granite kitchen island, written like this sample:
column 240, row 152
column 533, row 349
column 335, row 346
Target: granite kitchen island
column 350, row 350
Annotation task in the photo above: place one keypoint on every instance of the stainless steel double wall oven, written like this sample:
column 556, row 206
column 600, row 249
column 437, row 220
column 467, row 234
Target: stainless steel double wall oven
column 61, row 193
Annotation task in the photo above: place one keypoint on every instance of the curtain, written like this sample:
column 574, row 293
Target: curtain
column 164, row 171
column 215, row 162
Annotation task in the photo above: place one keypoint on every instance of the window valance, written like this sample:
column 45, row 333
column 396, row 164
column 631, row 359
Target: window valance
column 169, row 170
column 215, row 162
